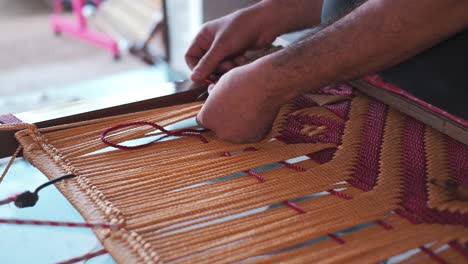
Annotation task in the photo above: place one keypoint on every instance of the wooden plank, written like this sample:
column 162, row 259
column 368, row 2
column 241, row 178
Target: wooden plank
column 424, row 115
column 170, row 94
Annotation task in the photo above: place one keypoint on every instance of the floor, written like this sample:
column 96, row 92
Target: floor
column 34, row 60
column 36, row 244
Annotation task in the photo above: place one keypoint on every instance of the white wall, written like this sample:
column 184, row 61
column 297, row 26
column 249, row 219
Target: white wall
column 185, row 18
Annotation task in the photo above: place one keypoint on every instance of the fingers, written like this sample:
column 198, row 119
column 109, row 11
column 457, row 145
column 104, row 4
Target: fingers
column 226, row 66
column 210, row 88
column 200, row 45
column 241, row 60
column 207, row 54
column 208, row 62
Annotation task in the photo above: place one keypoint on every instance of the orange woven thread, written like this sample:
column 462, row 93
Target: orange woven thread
column 178, row 203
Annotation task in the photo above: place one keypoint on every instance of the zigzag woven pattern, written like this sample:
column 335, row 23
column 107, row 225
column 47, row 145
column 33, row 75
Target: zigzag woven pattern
column 370, row 185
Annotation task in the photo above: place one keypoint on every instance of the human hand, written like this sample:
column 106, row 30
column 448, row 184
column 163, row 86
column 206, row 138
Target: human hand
column 221, row 44
column 242, row 106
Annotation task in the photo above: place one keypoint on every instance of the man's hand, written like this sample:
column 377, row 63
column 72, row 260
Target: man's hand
column 221, row 44
column 241, row 106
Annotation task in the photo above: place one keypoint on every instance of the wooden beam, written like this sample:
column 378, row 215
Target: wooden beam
column 168, row 94
column 422, row 114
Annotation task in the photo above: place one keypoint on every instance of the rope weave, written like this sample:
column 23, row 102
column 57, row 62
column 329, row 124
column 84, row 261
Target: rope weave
column 362, row 192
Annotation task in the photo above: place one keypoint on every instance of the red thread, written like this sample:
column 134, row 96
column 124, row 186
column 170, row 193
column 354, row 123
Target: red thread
column 367, row 167
column 84, row 257
column 227, row 154
column 178, row 133
column 455, row 245
column 415, row 195
column 295, row 207
column 292, row 166
column 338, row 239
column 250, row 149
column 259, row 177
column 340, row 194
column 405, row 214
column 8, row 200
column 384, row 224
column 113, row 227
column 433, row 256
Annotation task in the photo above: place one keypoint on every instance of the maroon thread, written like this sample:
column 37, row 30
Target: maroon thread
column 405, row 214
column 303, row 102
column 458, row 160
column 341, row 109
column 86, row 256
column 340, row 194
column 384, row 224
column 178, row 133
column 58, row 223
column 338, row 239
column 462, row 250
column 250, row 149
column 259, row 177
column 323, row 156
column 415, row 196
column 292, row 132
column 339, row 89
column 295, row 207
column 292, row 166
column 432, row 255
column 367, row 169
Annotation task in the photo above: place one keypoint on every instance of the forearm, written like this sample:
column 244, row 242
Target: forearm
column 378, row 34
column 289, row 15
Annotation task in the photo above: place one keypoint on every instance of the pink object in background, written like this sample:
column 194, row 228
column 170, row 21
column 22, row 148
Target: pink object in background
column 79, row 29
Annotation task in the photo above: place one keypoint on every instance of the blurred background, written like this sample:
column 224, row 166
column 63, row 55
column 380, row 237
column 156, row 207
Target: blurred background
column 56, row 52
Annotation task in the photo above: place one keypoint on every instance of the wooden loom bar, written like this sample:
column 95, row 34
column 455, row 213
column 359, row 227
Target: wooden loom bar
column 184, row 92
column 173, row 94
column 404, row 105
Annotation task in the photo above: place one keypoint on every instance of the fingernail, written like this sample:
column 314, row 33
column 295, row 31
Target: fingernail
column 210, row 88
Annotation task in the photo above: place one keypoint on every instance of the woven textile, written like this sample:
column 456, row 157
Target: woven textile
column 370, row 184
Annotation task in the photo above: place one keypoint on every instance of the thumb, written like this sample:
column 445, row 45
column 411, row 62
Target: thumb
column 208, row 63
column 210, row 88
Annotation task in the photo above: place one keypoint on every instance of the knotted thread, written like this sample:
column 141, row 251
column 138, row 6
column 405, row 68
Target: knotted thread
column 186, row 132
column 29, row 199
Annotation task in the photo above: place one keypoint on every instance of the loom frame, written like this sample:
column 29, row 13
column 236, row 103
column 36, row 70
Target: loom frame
column 187, row 91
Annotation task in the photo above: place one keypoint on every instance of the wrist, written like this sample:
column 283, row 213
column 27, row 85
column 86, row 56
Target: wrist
column 275, row 89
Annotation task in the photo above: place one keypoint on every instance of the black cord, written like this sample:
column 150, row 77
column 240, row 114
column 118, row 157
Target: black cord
column 29, row 199
column 61, row 178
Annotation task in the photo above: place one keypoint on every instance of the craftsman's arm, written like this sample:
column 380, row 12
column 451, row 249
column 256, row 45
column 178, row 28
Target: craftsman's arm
column 220, row 44
column 376, row 35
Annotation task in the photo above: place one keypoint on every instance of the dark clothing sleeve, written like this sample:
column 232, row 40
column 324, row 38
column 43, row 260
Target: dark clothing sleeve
column 438, row 75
